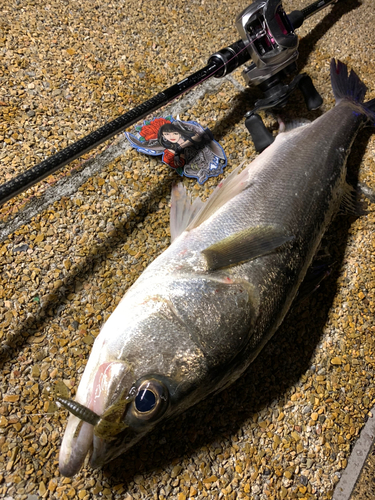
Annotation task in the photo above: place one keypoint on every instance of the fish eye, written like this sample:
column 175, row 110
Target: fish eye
column 145, row 400
column 151, row 400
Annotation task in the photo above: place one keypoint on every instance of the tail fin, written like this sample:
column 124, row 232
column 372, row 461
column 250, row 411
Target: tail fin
column 349, row 86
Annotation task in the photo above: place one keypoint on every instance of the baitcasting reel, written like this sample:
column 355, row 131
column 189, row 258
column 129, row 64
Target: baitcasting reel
column 268, row 36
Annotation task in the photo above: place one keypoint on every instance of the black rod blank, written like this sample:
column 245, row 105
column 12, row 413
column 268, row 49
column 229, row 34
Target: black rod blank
column 35, row 174
column 315, row 7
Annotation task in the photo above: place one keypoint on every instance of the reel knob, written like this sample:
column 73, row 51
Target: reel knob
column 261, row 137
column 312, row 97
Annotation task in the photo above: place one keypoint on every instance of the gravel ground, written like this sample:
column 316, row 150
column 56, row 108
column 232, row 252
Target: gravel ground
column 286, row 428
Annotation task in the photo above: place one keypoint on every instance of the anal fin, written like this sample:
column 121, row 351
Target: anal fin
column 245, row 245
column 351, row 205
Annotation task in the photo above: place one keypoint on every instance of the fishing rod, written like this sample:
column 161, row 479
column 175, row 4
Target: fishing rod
column 267, row 38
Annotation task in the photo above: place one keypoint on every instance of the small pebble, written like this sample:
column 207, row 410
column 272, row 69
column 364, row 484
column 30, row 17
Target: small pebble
column 286, row 428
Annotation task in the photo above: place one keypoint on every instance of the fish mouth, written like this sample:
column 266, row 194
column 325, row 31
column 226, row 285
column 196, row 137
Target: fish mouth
column 74, row 451
column 80, row 439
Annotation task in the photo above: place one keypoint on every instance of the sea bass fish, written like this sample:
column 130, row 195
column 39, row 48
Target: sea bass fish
column 203, row 310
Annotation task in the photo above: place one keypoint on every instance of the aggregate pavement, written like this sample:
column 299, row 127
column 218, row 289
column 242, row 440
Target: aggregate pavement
column 71, row 245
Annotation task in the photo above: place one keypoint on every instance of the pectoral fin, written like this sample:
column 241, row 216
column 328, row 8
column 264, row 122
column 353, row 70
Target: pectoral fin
column 245, row 245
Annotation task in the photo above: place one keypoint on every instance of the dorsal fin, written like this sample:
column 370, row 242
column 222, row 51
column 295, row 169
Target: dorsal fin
column 183, row 210
column 224, row 191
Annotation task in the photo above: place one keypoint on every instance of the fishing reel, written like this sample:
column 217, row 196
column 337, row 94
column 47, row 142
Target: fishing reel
column 269, row 40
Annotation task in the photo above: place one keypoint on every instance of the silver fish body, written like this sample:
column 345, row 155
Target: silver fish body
column 202, row 311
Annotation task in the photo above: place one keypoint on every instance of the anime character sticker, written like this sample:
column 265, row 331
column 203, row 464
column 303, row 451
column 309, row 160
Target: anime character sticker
column 186, row 147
